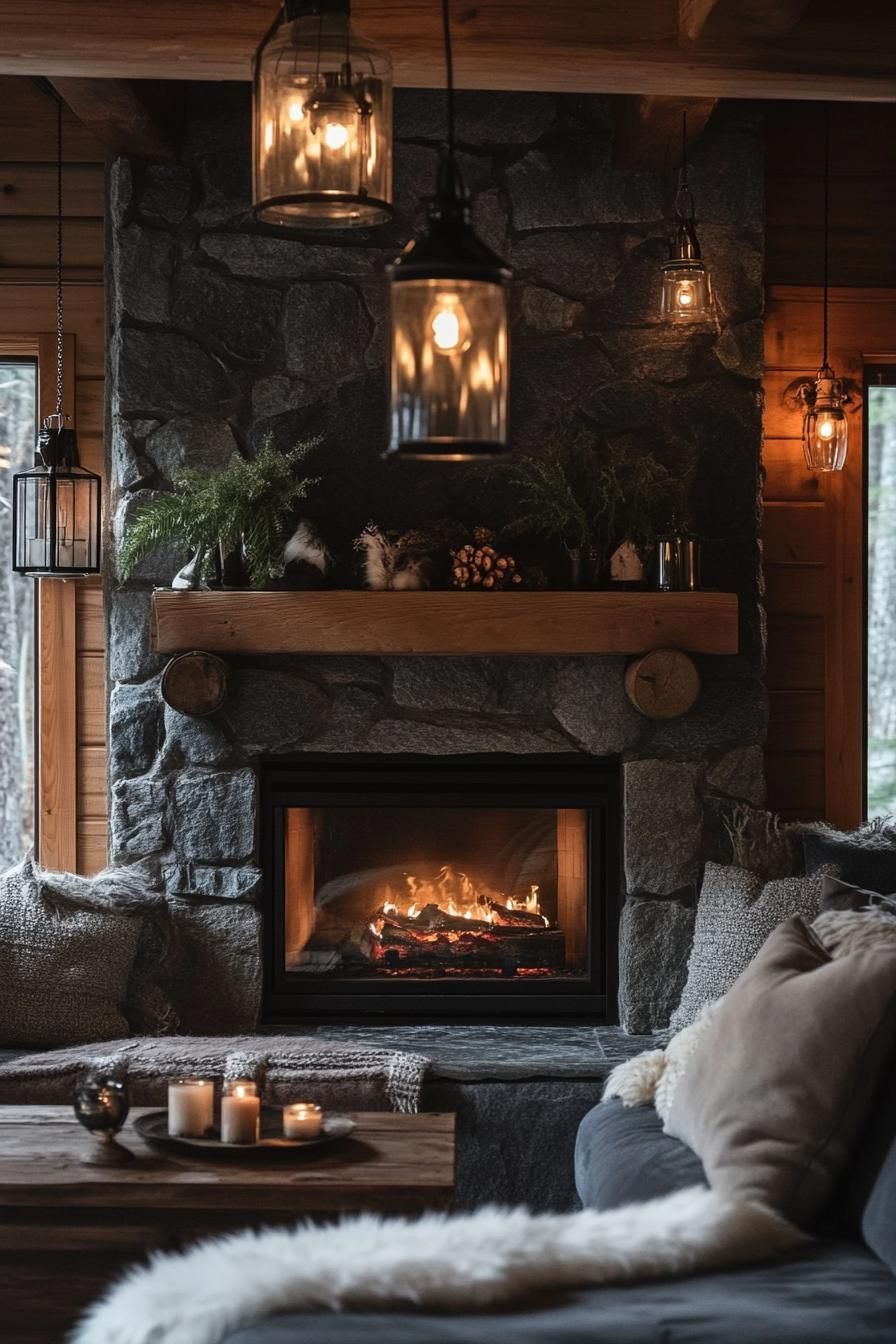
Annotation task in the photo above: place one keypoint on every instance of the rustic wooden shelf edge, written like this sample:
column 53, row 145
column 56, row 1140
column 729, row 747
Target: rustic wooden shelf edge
column 443, row 623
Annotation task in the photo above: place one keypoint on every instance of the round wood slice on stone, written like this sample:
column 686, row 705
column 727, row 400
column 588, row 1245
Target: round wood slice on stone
column 663, row 684
column 195, row 683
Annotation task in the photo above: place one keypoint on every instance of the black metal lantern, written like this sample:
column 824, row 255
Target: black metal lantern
column 322, row 107
column 449, row 295
column 57, row 506
column 687, row 288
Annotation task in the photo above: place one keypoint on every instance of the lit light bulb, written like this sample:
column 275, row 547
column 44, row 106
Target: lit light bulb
column 449, row 325
column 296, row 110
column 685, row 295
column 335, row 135
column 825, row 428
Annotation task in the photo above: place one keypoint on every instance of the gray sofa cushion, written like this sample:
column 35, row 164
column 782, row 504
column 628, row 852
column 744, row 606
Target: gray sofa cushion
column 828, row 1294
column 864, row 858
column 623, row 1157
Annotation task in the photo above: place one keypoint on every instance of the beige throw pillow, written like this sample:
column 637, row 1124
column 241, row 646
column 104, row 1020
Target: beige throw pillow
column 775, row 1092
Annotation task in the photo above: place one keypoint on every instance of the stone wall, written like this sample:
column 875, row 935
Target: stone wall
column 222, row 333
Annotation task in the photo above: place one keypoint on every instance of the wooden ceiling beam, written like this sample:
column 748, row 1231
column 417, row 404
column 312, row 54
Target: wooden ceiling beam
column 754, row 20
column 621, row 46
column 647, row 130
column 117, row 112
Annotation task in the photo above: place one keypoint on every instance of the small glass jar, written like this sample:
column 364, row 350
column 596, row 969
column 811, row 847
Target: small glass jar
column 302, row 1120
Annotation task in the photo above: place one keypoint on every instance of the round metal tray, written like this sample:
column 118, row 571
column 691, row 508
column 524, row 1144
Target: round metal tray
column 272, row 1144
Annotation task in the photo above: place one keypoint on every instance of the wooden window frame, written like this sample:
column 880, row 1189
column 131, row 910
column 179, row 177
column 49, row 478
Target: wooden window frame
column 56, row 828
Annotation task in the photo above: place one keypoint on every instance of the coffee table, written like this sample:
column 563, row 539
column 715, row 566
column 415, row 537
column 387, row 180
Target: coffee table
column 67, row 1229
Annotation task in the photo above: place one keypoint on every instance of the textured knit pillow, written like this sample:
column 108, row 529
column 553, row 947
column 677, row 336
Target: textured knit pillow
column 736, row 912
column 865, row 858
column 775, row 1093
column 64, row 971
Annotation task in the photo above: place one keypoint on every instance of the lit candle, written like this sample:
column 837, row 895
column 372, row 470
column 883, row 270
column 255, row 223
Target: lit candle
column 240, row 1112
column 302, row 1120
column 191, row 1107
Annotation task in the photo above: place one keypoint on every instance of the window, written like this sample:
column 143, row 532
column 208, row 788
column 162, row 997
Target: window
column 880, row 420
column 18, row 424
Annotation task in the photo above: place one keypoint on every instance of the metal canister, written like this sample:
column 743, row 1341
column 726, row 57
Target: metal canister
column 689, row 563
column 665, row 579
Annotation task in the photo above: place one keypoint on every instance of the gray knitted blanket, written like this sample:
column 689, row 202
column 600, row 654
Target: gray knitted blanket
column 286, row 1068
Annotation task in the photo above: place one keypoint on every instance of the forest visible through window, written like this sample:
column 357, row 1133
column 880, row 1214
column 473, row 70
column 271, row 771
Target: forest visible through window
column 881, row 412
column 18, row 417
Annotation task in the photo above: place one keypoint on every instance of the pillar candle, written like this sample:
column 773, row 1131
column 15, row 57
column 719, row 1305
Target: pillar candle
column 191, row 1106
column 240, row 1112
column 302, row 1120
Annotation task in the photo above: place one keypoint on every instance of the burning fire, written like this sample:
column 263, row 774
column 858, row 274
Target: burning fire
column 456, row 895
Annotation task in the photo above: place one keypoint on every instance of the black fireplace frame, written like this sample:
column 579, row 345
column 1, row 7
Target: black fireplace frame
column 307, row 779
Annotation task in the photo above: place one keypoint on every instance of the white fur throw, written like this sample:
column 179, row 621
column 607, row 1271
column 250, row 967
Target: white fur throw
column 438, row 1263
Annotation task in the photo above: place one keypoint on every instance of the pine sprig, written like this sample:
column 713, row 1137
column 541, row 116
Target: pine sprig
column 252, row 501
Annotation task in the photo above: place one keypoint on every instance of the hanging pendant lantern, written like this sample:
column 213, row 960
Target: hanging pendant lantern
column 825, row 428
column 322, row 108
column 687, row 288
column 449, row 311
column 57, row 506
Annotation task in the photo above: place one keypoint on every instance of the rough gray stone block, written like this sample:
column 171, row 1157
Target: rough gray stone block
column 578, row 188
column 137, row 824
column 590, row 704
column 212, row 883
column 128, row 655
column 490, row 221
column 161, row 565
column 162, row 372
column 739, row 349
column 655, row 940
column 271, row 396
column 194, row 741
column 441, row 683
column 166, row 191
column 189, row 442
column 580, row 265
column 482, row 118
column 353, row 712
column 740, row 774
column 121, row 187
column 736, row 265
column 262, row 258
column 133, row 728
column 411, row 735
column 727, row 714
column 215, row 983
column 663, row 825
column 274, row 711
column 214, row 814
column 543, row 310
column 242, row 318
column 313, row 313
column 142, row 266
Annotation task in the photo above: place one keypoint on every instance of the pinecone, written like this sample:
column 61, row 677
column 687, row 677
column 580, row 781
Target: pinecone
column 482, row 566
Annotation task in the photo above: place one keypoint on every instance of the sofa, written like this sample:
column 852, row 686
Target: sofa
column 836, row 1289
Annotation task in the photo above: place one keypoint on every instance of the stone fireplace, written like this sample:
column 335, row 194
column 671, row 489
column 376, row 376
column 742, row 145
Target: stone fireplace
column 222, row 334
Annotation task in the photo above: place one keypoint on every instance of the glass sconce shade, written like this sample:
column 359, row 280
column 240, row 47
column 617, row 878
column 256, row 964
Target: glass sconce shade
column 450, row 363
column 825, row 428
column 322, row 139
column 687, row 291
column 57, row 513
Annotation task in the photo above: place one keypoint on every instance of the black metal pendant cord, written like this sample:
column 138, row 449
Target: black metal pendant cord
column 449, row 73
column 59, row 302
column 684, row 199
column 827, row 231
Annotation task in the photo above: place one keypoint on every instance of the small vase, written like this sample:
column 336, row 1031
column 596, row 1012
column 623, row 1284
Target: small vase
column 584, row 567
column 231, row 566
column 190, row 577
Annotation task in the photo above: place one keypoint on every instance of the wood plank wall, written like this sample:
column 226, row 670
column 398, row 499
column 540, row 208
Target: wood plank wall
column 813, row 531
column 27, row 306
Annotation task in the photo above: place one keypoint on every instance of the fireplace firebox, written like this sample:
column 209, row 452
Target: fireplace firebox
column 440, row 886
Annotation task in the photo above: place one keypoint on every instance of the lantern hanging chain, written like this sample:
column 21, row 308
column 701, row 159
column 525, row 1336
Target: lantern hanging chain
column 684, row 199
column 449, row 74
column 827, row 231
column 59, row 302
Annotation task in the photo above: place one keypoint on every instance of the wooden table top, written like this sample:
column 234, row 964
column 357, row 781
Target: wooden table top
column 390, row 1162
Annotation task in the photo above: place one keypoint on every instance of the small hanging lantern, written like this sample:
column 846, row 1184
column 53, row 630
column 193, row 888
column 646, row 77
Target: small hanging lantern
column 322, row 108
column 825, row 429
column 449, row 294
column 57, row 506
column 687, row 289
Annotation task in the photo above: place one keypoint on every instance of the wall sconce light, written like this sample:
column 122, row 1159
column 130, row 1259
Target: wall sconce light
column 322, row 113
column 450, row 364
column 687, row 289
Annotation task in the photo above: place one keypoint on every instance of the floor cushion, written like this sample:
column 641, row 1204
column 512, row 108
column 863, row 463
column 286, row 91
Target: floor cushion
column 623, row 1157
column 828, row 1294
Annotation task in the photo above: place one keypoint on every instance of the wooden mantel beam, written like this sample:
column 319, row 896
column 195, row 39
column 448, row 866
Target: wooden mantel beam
column 754, row 20
column 568, row 45
column 118, row 114
column 647, row 130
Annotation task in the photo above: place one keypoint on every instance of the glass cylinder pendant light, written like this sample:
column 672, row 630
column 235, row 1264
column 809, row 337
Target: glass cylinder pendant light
column 449, row 296
column 57, row 506
column 687, row 289
column 322, row 109
column 825, row 429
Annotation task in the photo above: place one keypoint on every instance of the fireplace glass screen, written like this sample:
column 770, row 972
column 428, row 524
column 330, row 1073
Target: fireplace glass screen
column 423, row 892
